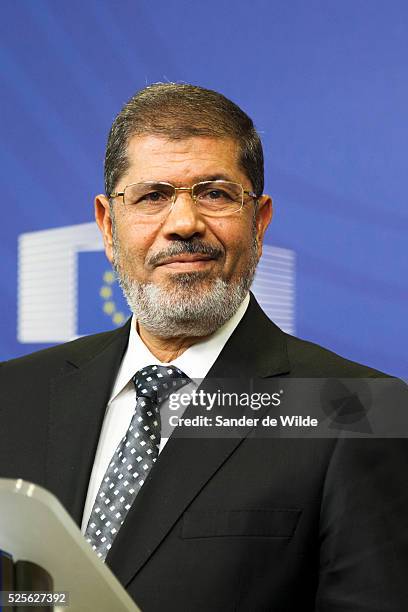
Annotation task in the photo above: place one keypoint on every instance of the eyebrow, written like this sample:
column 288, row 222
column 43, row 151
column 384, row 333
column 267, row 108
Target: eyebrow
column 214, row 177
column 197, row 179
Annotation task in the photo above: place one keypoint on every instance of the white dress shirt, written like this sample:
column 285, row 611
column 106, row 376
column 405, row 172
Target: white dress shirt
column 195, row 362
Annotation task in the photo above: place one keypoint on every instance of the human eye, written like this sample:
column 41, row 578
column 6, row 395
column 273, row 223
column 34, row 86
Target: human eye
column 145, row 197
column 153, row 197
column 215, row 194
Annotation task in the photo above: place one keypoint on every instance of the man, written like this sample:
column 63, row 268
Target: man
column 230, row 522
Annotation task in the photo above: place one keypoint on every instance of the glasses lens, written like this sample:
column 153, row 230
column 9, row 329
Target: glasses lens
column 148, row 198
column 218, row 197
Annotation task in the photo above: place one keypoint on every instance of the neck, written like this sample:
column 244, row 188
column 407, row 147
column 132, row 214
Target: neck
column 166, row 349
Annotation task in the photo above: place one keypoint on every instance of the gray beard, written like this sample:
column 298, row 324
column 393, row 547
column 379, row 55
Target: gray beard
column 184, row 307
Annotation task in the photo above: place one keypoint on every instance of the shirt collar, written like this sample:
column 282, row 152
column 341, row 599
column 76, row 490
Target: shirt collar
column 195, row 362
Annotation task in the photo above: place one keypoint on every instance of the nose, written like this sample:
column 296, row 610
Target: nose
column 184, row 220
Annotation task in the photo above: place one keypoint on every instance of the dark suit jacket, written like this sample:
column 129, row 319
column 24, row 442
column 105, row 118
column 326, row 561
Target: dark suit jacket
column 240, row 523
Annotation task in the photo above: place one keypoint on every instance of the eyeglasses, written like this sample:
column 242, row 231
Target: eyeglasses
column 212, row 198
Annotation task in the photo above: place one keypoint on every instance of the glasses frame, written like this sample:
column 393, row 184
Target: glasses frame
column 245, row 192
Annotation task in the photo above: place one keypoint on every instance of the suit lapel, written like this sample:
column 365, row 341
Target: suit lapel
column 257, row 348
column 78, row 399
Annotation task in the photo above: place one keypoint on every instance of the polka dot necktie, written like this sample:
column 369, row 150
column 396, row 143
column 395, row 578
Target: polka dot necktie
column 134, row 457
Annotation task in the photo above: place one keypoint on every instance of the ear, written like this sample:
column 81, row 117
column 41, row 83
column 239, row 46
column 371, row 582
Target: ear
column 104, row 221
column 263, row 218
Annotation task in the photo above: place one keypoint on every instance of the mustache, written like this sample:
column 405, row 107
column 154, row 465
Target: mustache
column 181, row 247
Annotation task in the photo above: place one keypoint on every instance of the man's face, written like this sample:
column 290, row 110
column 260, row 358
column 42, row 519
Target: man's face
column 184, row 255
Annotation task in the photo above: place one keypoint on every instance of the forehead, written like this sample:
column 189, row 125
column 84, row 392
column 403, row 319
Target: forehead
column 182, row 161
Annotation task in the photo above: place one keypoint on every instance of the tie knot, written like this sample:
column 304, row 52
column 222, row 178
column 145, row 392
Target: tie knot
column 158, row 382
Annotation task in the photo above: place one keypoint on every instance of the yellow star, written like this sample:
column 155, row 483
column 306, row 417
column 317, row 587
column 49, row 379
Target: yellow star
column 109, row 307
column 109, row 277
column 105, row 292
column 118, row 318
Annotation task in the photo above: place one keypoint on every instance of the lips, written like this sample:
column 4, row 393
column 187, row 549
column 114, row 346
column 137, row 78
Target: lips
column 185, row 258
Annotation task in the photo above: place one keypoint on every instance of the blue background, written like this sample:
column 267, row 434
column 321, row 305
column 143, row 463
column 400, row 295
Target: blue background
column 326, row 84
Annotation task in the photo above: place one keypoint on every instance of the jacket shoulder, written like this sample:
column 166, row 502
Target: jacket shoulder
column 75, row 351
column 310, row 359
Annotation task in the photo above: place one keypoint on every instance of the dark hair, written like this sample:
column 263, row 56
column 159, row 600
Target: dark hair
column 179, row 111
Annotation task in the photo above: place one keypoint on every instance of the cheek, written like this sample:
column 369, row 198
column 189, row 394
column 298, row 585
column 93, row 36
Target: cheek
column 134, row 239
column 238, row 235
column 236, row 239
column 229, row 232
